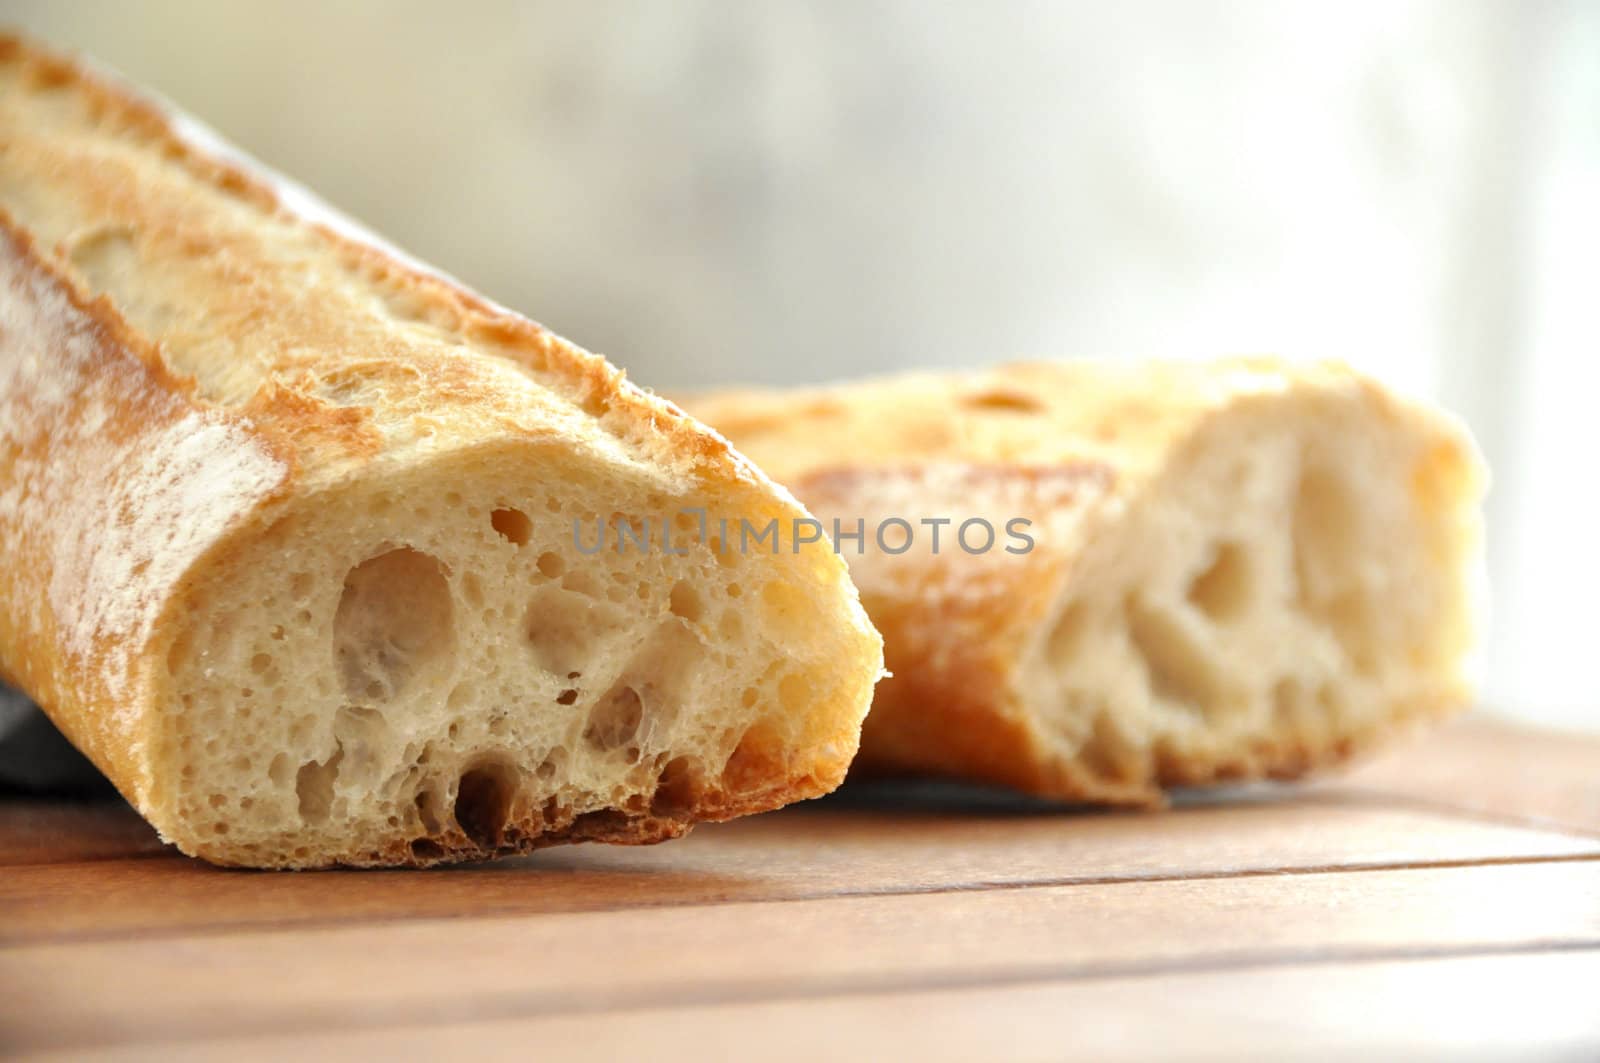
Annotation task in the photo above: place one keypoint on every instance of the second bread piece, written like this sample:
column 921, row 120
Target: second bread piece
column 1240, row 569
column 287, row 531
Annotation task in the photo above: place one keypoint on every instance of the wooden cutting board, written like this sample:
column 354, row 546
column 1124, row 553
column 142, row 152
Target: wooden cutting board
column 1444, row 898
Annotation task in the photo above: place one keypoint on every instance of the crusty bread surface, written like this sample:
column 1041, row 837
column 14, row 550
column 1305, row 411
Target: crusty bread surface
column 297, row 534
column 1238, row 569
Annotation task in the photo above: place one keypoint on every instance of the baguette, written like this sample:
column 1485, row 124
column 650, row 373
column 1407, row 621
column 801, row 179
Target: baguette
column 289, row 530
column 1238, row 570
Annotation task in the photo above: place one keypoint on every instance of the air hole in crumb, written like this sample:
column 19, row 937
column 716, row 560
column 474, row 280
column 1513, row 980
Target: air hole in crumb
column 260, row 663
column 685, row 601
column 483, row 802
column 581, row 582
column 1223, row 590
column 313, row 785
column 428, row 811
column 563, row 628
column 1326, row 533
column 1351, row 616
column 1329, row 541
column 551, row 565
column 615, row 718
column 794, row 693
column 394, row 621
column 677, row 789
column 1181, row 671
column 512, row 524
column 567, row 697
column 1109, row 753
column 104, row 255
column 426, row 849
column 602, row 824
column 759, row 756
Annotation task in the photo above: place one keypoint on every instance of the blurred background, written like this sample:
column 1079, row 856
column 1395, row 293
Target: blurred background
column 711, row 191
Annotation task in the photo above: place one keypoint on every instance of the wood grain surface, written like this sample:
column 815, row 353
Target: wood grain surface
column 1441, row 899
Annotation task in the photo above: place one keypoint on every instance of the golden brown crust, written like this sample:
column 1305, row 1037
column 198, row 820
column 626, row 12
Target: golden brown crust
column 587, row 379
column 956, row 627
column 75, row 144
column 953, row 629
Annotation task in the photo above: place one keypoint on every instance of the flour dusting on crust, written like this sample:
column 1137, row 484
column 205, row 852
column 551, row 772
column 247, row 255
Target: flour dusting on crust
column 130, row 482
column 167, row 504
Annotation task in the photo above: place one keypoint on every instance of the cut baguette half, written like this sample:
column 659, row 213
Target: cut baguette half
column 1239, row 569
column 298, row 536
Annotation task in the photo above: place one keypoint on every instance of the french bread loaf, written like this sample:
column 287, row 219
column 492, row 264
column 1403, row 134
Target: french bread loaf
column 1236, row 570
column 290, row 530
